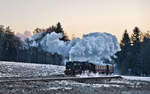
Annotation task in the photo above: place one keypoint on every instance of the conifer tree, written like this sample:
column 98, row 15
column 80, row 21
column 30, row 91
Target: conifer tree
column 136, row 36
column 125, row 40
column 136, row 50
column 123, row 55
column 59, row 29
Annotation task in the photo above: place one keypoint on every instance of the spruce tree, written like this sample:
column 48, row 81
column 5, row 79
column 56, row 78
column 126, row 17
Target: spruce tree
column 136, row 50
column 125, row 40
column 59, row 29
column 123, row 55
column 136, row 36
column 145, row 53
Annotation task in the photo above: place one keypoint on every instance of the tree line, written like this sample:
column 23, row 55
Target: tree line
column 12, row 48
column 134, row 57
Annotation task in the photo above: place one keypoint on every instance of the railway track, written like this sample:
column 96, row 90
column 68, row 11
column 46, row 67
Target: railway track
column 80, row 79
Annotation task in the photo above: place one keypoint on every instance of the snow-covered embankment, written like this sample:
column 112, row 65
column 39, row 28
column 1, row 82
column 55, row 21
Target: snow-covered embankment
column 13, row 69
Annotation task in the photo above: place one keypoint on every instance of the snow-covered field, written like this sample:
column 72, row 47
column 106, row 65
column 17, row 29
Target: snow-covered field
column 13, row 69
column 87, row 74
column 127, row 85
column 137, row 78
column 72, row 87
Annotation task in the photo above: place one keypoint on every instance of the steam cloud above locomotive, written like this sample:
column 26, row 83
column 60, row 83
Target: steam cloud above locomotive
column 92, row 47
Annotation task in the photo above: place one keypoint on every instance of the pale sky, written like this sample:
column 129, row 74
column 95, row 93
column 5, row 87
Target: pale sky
column 77, row 16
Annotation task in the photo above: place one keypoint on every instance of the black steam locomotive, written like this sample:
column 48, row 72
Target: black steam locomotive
column 77, row 67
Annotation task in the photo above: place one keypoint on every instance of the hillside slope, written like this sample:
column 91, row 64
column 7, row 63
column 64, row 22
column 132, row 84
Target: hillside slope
column 13, row 69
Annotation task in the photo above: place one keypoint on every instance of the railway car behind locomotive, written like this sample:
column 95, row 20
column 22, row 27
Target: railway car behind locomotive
column 77, row 67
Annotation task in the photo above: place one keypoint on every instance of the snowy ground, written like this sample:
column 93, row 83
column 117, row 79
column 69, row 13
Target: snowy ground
column 12, row 69
column 137, row 78
column 72, row 87
column 126, row 85
column 87, row 74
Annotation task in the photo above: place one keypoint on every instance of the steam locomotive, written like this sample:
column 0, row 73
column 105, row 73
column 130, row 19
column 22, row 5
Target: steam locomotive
column 77, row 67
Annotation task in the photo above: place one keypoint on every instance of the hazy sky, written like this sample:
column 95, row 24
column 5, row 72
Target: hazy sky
column 77, row 16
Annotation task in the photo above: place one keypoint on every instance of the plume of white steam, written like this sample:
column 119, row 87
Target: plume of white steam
column 93, row 47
